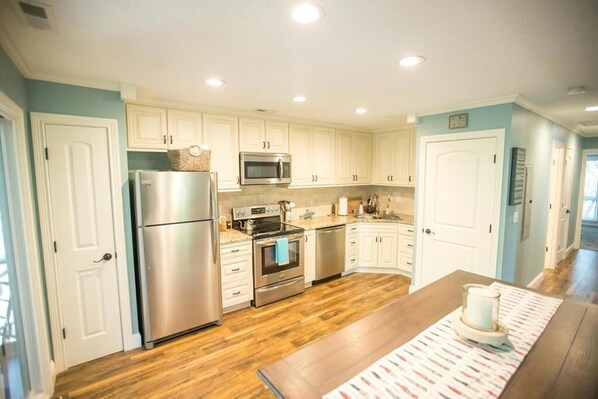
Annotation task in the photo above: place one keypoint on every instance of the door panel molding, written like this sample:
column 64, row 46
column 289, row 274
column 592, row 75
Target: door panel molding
column 499, row 136
column 39, row 121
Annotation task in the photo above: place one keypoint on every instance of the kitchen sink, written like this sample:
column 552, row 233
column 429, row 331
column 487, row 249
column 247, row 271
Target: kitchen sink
column 367, row 216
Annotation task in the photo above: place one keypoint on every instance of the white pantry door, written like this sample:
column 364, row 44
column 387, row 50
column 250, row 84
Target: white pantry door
column 458, row 201
column 80, row 192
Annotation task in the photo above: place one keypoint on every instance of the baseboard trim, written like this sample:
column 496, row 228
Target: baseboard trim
column 133, row 341
column 536, row 281
column 412, row 289
column 570, row 249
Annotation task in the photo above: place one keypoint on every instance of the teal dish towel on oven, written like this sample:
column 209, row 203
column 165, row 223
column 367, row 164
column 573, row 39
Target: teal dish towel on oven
column 281, row 251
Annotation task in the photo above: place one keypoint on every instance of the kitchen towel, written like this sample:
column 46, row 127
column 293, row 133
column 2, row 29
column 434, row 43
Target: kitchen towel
column 281, row 251
column 438, row 364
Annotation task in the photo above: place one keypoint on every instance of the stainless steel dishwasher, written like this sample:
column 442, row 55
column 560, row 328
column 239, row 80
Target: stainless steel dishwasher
column 330, row 251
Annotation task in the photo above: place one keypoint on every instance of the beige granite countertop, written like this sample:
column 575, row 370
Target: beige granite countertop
column 230, row 236
column 319, row 222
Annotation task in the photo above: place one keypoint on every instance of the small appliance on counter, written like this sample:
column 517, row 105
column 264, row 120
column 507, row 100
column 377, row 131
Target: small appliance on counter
column 277, row 252
column 343, row 206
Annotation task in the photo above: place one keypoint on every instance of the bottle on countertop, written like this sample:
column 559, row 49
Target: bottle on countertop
column 333, row 209
column 361, row 208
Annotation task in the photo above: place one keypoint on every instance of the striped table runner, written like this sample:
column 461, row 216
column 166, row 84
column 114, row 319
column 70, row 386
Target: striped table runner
column 438, row 364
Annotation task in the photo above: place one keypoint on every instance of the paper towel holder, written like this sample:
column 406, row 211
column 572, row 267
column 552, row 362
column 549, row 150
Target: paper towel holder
column 343, row 206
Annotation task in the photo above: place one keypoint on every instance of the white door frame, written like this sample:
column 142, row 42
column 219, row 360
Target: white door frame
column 499, row 135
column 584, row 160
column 38, row 121
column 554, row 198
column 29, row 279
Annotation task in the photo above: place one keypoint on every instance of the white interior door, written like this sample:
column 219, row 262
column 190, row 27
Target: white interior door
column 565, row 205
column 554, row 194
column 81, row 209
column 459, row 201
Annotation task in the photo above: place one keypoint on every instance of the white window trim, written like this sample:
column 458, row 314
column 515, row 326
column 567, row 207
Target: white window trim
column 38, row 120
column 29, row 279
column 584, row 158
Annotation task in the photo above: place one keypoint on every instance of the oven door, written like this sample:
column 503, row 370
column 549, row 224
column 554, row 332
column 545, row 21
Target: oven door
column 265, row 168
column 266, row 270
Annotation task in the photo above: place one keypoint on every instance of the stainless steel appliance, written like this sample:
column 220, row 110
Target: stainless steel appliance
column 177, row 251
column 272, row 280
column 330, row 251
column 264, row 168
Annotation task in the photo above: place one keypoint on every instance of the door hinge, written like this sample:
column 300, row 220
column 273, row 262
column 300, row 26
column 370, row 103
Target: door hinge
column 546, row 249
column 64, row 333
column 46, row 152
column 494, row 158
column 549, row 206
column 55, row 247
column 115, row 255
column 490, row 229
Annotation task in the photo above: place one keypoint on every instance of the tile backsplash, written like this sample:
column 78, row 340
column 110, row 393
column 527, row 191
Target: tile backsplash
column 318, row 199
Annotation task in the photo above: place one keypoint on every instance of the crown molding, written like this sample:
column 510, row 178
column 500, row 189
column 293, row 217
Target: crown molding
column 74, row 81
column 530, row 106
column 469, row 105
column 13, row 53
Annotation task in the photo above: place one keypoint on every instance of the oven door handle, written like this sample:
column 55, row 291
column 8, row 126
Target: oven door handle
column 294, row 281
column 271, row 241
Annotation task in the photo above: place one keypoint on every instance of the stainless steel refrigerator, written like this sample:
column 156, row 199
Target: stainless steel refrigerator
column 177, row 251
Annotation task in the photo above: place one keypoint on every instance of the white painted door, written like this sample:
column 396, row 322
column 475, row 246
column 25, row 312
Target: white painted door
column 324, row 155
column 146, row 127
column 565, row 205
column 310, row 255
column 362, row 145
column 80, row 192
column 458, row 204
column 345, row 174
column 252, row 135
column 554, row 193
column 368, row 249
column 387, row 250
column 301, row 143
column 401, row 159
column 382, row 159
column 222, row 135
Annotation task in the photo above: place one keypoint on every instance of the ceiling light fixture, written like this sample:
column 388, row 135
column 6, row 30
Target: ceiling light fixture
column 299, row 99
column 361, row 110
column 306, row 13
column 215, row 82
column 576, row 90
column 411, row 60
column 592, row 108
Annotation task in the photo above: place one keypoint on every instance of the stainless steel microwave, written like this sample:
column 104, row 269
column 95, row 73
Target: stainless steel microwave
column 264, row 168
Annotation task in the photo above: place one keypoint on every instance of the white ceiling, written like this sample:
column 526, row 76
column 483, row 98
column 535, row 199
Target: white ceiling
column 475, row 50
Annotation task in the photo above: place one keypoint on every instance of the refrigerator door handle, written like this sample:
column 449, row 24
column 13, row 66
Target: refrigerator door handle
column 215, row 242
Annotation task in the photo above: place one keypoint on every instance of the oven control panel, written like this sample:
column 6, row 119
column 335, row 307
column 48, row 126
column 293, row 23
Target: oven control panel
column 255, row 212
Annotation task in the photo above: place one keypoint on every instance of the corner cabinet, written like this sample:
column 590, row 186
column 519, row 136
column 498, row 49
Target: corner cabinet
column 313, row 151
column 406, row 247
column 378, row 245
column 394, row 158
column 159, row 129
column 222, row 136
column 236, row 262
column 353, row 158
column 258, row 135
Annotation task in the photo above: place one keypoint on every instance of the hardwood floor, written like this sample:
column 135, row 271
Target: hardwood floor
column 576, row 276
column 221, row 362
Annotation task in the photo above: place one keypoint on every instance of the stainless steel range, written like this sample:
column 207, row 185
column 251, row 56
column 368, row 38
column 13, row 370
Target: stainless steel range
column 277, row 253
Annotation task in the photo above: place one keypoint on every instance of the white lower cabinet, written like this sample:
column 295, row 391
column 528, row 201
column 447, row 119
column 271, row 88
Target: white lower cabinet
column 236, row 261
column 406, row 247
column 351, row 246
column 378, row 245
column 309, row 256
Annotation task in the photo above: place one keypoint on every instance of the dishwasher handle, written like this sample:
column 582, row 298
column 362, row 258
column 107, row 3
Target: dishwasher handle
column 332, row 229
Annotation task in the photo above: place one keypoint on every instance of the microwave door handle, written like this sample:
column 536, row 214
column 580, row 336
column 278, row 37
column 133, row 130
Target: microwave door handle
column 280, row 168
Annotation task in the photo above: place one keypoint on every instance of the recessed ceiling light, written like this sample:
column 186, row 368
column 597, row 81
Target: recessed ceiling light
column 215, row 82
column 361, row 111
column 306, row 13
column 299, row 99
column 411, row 60
column 592, row 108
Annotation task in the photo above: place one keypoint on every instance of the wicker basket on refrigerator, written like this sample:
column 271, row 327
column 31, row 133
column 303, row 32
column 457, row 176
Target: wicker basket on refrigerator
column 192, row 159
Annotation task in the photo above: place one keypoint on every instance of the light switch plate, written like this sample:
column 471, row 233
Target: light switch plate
column 515, row 217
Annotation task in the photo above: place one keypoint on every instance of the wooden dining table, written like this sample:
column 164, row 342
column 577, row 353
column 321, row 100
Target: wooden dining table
column 563, row 363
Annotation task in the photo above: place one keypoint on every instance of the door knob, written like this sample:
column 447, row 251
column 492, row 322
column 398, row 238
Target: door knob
column 428, row 231
column 567, row 211
column 106, row 256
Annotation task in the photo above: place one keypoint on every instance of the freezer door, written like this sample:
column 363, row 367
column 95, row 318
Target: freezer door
column 174, row 197
column 181, row 278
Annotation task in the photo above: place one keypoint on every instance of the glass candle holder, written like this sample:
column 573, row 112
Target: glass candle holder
column 480, row 307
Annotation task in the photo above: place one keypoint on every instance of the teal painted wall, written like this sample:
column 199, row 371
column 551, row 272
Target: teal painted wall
column 148, row 161
column 483, row 118
column 590, row 143
column 81, row 101
column 12, row 82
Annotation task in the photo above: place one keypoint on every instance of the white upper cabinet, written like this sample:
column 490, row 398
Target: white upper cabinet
column 158, row 129
column 257, row 135
column 394, row 158
column 353, row 157
column 222, row 136
column 313, row 153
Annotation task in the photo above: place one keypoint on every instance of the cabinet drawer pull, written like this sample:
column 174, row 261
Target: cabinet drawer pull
column 352, row 259
column 235, row 250
column 409, row 245
column 263, row 145
column 409, row 263
column 352, row 242
column 268, row 145
column 411, row 231
column 236, row 293
column 235, row 269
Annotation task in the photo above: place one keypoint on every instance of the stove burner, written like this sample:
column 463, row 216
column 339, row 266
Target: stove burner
column 266, row 221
